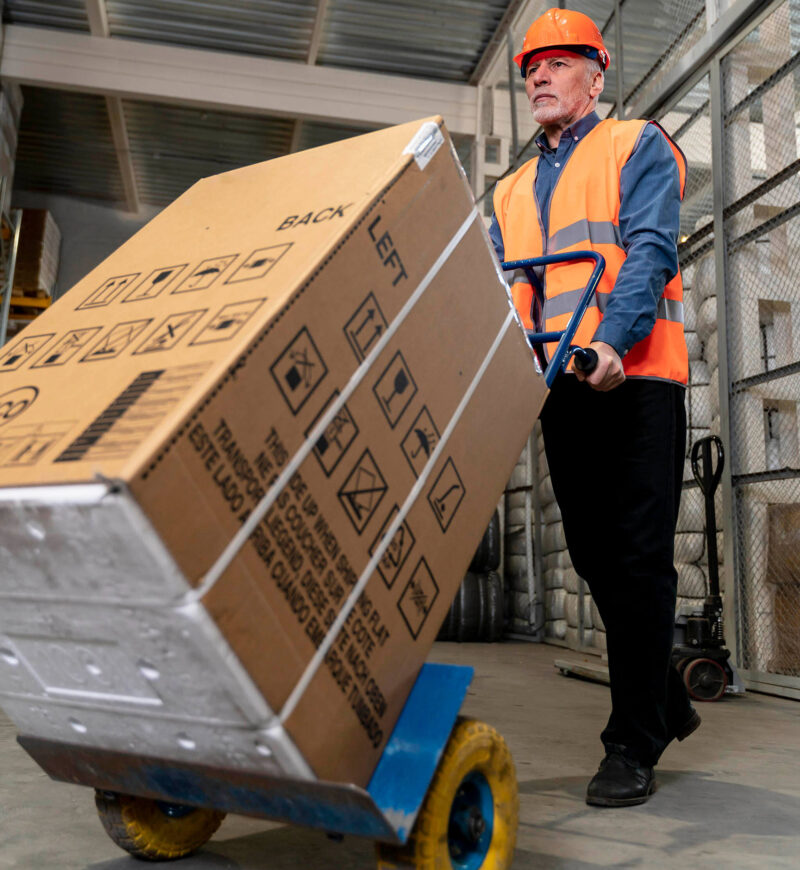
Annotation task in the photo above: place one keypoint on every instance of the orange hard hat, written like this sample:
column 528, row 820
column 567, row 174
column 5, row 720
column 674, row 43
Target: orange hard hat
column 563, row 28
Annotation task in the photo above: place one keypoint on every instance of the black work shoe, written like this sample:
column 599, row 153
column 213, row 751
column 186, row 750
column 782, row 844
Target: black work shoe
column 689, row 726
column 620, row 782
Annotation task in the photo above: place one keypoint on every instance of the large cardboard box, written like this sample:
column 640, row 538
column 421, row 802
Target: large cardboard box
column 39, row 253
column 246, row 462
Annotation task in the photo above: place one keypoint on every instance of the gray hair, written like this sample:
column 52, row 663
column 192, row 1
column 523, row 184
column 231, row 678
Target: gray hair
column 594, row 66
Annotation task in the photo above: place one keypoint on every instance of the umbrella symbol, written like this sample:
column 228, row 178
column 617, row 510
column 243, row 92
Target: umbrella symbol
column 425, row 443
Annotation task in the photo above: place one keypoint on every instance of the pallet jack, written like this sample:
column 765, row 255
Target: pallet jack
column 699, row 652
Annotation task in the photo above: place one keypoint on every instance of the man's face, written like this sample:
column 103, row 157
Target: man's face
column 561, row 88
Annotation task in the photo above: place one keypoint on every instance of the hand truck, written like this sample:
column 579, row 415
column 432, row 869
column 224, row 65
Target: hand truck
column 444, row 792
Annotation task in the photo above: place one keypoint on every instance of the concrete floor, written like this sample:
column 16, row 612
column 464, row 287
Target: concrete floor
column 729, row 796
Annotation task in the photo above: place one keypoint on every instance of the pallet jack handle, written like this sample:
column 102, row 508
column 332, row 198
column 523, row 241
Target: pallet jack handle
column 585, row 358
column 708, row 472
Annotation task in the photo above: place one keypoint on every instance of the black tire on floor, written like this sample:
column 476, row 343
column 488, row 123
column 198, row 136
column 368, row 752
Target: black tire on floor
column 467, row 610
column 446, row 631
column 487, row 556
column 494, row 622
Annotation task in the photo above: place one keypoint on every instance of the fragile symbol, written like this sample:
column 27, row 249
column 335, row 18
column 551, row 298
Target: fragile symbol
column 299, row 370
column 396, row 553
column 227, row 321
column 259, row 263
column 117, row 339
column 205, row 274
column 418, row 598
column 446, row 494
column 109, row 290
column 154, row 283
column 395, row 389
column 365, row 327
column 22, row 351
column 362, row 491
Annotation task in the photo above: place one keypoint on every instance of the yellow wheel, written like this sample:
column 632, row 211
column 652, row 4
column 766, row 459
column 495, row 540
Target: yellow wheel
column 154, row 830
column 469, row 817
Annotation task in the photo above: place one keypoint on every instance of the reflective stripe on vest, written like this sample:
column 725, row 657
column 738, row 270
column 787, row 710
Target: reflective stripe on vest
column 589, row 186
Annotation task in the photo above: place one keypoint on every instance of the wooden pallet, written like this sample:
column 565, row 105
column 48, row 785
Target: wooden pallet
column 27, row 307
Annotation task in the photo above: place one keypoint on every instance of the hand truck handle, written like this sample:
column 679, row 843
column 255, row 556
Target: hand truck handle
column 565, row 349
column 585, row 359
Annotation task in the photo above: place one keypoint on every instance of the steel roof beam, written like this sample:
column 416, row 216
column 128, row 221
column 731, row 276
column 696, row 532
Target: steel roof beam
column 316, row 33
column 492, row 62
column 67, row 60
column 97, row 14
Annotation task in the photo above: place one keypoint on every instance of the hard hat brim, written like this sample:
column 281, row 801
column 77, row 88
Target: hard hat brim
column 589, row 51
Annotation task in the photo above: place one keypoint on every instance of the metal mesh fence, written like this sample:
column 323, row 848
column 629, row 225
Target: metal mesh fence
column 761, row 90
column 689, row 124
column 656, row 35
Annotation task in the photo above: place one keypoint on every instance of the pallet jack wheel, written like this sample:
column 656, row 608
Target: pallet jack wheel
column 681, row 664
column 468, row 820
column 153, row 830
column 705, row 679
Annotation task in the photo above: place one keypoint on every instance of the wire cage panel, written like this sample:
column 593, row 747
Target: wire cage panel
column 761, row 95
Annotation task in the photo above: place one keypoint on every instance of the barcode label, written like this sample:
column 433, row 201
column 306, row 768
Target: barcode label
column 132, row 415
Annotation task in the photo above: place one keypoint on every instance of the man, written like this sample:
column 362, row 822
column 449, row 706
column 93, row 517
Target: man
column 614, row 439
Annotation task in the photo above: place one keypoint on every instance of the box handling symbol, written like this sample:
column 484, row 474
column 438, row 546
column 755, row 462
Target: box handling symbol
column 23, row 351
column 446, row 494
column 395, row 389
column 363, row 491
column 154, row 283
column 205, row 274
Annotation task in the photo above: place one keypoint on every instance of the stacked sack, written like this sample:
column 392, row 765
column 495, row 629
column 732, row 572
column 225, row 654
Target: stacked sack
column 702, row 419
column 566, row 612
column 571, row 615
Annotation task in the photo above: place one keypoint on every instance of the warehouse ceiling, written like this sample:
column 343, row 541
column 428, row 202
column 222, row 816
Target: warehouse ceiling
column 144, row 151
column 131, row 101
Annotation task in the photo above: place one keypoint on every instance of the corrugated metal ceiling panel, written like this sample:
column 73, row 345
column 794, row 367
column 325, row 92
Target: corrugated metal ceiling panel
column 275, row 28
column 313, row 134
column 66, row 14
column 174, row 146
column 65, row 146
column 442, row 40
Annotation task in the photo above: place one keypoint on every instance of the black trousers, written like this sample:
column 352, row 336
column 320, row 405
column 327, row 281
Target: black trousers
column 616, row 463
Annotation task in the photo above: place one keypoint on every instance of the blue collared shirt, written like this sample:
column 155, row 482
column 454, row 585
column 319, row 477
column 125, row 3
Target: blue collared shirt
column 649, row 223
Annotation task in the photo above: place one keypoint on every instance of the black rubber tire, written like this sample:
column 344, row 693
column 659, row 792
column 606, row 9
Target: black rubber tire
column 705, row 680
column 487, row 556
column 467, row 610
column 446, row 631
column 494, row 622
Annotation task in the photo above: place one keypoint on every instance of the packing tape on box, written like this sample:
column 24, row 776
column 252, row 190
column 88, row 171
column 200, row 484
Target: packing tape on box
column 425, row 143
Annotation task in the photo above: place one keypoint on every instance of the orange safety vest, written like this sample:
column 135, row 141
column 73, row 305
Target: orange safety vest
column 584, row 214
